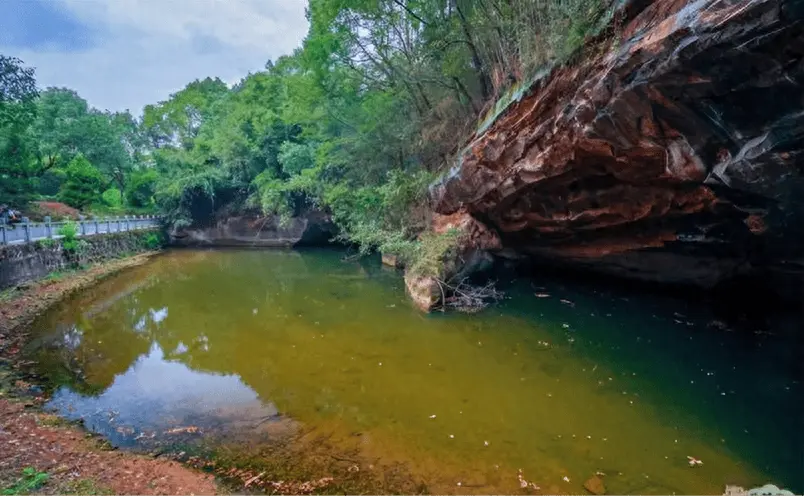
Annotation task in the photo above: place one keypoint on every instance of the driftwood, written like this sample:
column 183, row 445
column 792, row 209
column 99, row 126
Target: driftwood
column 468, row 298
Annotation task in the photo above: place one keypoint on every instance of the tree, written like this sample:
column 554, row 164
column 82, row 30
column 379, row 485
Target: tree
column 295, row 157
column 177, row 121
column 83, row 184
column 17, row 110
column 66, row 126
column 141, row 188
column 59, row 129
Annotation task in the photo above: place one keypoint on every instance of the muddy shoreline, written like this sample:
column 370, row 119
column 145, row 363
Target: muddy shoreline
column 61, row 457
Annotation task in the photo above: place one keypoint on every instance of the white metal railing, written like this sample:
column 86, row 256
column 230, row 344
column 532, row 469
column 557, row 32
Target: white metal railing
column 27, row 232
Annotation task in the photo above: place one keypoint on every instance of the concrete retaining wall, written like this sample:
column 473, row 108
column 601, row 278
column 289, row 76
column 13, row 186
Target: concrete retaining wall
column 29, row 262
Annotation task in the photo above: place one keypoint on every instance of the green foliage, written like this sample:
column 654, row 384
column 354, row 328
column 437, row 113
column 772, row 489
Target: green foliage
column 187, row 195
column 295, row 157
column 47, row 242
column 82, row 185
column 57, row 275
column 429, row 255
column 141, row 188
column 66, row 126
column 30, row 481
column 17, row 111
column 50, row 181
column 153, row 241
column 112, row 198
column 358, row 121
column 69, row 238
column 177, row 121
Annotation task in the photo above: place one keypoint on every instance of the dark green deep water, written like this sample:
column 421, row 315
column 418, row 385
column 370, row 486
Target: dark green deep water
column 262, row 347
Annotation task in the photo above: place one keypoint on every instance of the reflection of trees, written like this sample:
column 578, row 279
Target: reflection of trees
column 227, row 317
column 219, row 312
column 177, row 301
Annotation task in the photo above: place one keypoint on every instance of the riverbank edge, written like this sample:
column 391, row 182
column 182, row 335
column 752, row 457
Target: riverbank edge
column 105, row 470
column 74, row 460
column 20, row 305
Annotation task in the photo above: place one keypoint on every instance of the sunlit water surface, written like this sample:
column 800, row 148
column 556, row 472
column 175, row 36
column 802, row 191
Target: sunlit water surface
column 559, row 381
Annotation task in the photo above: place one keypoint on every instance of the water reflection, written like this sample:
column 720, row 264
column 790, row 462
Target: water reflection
column 156, row 396
column 560, row 381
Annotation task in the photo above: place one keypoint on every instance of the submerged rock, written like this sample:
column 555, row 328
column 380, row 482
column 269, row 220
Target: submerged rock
column 675, row 155
column 595, row 485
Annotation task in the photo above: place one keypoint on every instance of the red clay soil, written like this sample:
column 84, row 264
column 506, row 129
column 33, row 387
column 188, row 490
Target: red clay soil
column 29, row 438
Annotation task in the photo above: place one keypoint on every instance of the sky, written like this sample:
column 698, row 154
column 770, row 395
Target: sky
column 124, row 54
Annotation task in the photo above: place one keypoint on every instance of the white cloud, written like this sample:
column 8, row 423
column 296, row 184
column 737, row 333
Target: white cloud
column 146, row 49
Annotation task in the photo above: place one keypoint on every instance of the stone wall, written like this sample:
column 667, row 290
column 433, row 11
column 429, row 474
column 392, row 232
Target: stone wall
column 32, row 261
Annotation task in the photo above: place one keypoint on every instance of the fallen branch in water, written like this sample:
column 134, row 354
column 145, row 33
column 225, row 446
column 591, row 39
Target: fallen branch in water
column 465, row 297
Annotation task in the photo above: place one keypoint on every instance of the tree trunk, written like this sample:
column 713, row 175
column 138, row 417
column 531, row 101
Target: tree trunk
column 483, row 77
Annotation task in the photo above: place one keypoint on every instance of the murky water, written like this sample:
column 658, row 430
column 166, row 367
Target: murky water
column 250, row 348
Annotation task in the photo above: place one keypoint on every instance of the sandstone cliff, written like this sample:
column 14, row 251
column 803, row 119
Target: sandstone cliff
column 257, row 230
column 672, row 153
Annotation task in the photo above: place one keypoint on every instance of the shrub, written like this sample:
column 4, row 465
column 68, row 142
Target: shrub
column 82, row 185
column 30, row 481
column 111, row 198
column 153, row 241
column 47, row 243
column 69, row 240
column 432, row 252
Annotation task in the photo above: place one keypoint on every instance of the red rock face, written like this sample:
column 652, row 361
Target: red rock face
column 674, row 155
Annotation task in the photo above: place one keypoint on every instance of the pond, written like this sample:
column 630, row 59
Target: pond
column 296, row 360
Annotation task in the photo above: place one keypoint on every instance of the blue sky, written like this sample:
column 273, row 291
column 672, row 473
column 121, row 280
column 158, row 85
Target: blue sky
column 123, row 54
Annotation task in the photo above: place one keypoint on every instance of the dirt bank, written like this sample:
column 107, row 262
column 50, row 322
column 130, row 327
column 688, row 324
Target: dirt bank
column 77, row 463
column 45, row 455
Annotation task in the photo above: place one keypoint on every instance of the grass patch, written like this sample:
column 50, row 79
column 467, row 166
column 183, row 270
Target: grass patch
column 46, row 420
column 57, row 275
column 9, row 294
column 84, row 486
column 30, row 481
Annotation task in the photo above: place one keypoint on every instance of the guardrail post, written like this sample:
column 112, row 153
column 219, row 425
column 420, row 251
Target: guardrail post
column 3, row 235
column 27, row 230
column 48, row 227
column 95, row 218
column 108, row 225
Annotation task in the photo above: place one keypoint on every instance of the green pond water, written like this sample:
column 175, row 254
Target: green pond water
column 288, row 353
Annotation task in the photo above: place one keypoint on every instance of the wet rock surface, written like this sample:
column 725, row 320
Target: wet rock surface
column 673, row 155
column 475, row 243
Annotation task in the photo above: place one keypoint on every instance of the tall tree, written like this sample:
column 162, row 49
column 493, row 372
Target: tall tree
column 177, row 121
column 17, row 110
